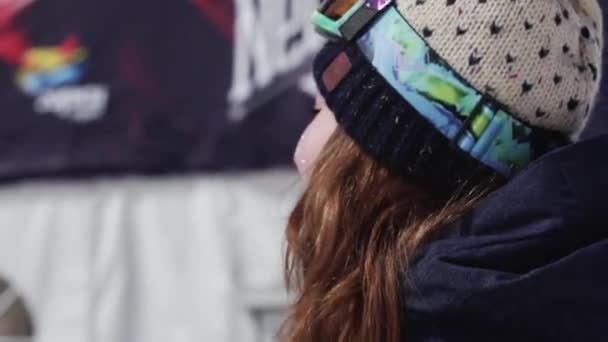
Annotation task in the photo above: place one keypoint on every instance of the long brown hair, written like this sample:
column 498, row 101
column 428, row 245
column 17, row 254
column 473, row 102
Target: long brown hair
column 349, row 239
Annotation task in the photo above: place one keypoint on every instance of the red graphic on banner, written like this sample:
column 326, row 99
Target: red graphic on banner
column 9, row 9
column 13, row 45
column 221, row 14
column 13, row 42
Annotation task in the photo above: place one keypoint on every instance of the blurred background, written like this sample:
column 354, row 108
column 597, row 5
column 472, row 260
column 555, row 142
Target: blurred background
column 145, row 166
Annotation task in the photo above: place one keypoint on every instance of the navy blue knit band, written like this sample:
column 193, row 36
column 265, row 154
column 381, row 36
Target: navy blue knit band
column 387, row 127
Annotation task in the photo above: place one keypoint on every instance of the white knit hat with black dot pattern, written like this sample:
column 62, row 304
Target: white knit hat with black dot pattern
column 539, row 58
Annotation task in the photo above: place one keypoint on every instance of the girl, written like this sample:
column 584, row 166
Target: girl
column 429, row 214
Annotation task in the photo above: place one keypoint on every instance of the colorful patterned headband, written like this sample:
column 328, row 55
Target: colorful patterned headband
column 473, row 121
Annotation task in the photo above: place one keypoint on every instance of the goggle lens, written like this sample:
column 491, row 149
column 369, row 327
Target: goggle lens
column 335, row 9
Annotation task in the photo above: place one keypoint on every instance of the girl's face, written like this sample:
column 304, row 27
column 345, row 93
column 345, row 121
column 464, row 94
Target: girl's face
column 314, row 139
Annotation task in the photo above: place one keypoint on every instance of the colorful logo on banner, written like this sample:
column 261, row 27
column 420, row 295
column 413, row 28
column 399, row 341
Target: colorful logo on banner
column 45, row 68
column 51, row 75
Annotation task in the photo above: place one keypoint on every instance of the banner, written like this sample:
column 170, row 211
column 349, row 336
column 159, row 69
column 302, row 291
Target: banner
column 91, row 86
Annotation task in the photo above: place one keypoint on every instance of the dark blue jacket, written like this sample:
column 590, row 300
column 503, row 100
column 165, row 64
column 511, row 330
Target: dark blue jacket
column 529, row 264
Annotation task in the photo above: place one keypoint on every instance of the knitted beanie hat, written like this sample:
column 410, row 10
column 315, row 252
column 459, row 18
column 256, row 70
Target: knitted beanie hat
column 541, row 58
column 410, row 80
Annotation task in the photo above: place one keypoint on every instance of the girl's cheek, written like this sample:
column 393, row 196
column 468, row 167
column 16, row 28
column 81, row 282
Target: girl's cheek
column 312, row 142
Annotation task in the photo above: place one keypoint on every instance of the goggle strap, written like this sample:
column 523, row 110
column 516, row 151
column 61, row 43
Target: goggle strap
column 467, row 122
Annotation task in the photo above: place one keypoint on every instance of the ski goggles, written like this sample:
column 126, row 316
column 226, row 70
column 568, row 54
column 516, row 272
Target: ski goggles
column 473, row 121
